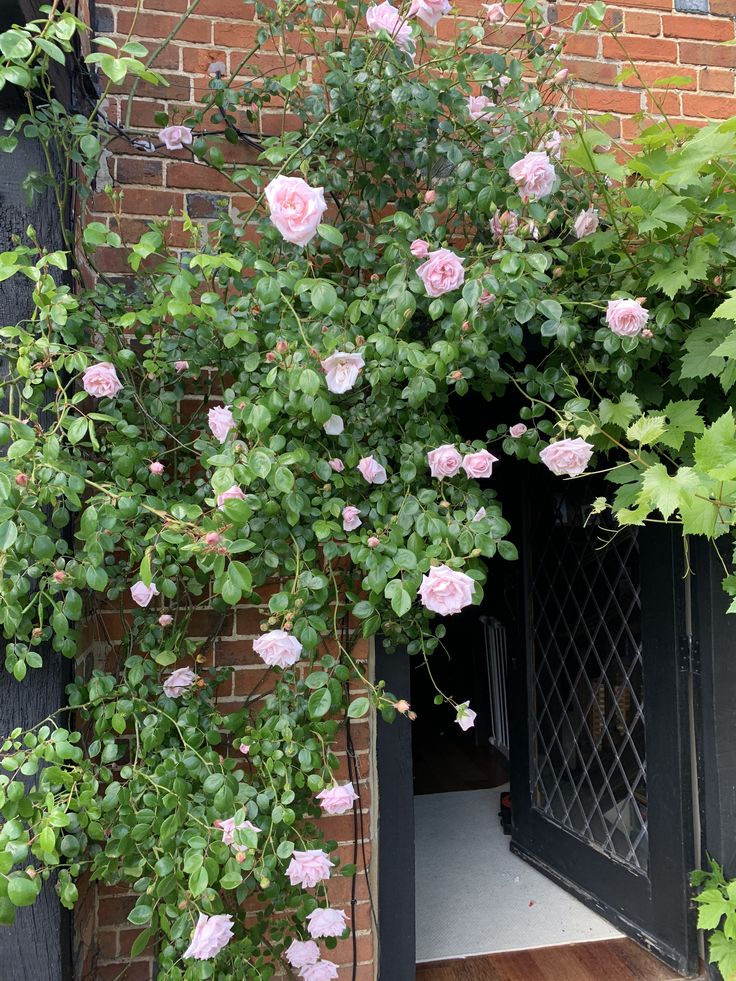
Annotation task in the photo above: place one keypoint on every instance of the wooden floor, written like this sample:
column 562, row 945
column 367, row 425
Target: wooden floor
column 606, row 960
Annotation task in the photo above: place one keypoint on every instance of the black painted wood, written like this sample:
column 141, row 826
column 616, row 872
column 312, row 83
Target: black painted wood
column 396, row 926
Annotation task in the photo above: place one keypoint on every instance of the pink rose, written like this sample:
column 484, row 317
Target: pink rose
column 430, row 11
column 142, row 594
column 373, row 542
column 553, row 143
column 321, row 971
column 465, row 716
column 442, row 272
column 211, row 934
column 296, row 208
column 178, row 682
column 479, row 514
column 494, row 13
column 278, row 649
column 479, row 464
column 486, row 298
column 645, row 333
column 174, row 137
column 165, row 620
column 337, row 465
column 586, row 223
column 479, row 107
column 342, row 370
column 351, row 518
column 156, row 468
column 561, row 75
column 244, row 748
column 302, row 953
column 430, row 196
column 372, row 471
column 220, row 420
column 212, row 538
column 334, row 425
column 518, row 430
column 384, row 17
column 626, row 318
column 101, row 380
column 419, row 248
column 181, row 366
column 337, row 799
column 534, row 176
column 504, row 223
column 233, row 493
column 229, row 827
column 446, row 591
column 445, row 461
column 327, row 923
column 567, row 457
column 308, row 868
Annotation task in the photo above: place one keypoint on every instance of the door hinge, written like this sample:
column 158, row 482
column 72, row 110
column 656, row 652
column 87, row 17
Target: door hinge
column 690, row 655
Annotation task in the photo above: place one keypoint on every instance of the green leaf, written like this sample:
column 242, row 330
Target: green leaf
column 358, row 708
column 78, row 429
column 401, row 602
column 330, row 234
column 140, row 914
column 23, row 891
column 240, row 574
column 715, row 450
column 646, row 430
column 323, row 297
column 319, row 703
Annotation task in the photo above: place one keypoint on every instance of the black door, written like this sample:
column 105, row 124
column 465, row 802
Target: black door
column 600, row 766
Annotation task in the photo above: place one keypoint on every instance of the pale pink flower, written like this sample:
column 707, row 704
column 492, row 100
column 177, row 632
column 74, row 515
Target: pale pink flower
column 220, row 420
column 211, row 934
column 561, row 75
column 351, row 518
column 503, row 81
column 165, row 620
column 647, row 333
column 479, row 464
column 553, row 143
column 308, row 868
column 382, row 16
column 101, row 380
column 327, row 922
column 278, row 649
column 175, row 137
column 244, row 748
column 341, row 371
column 373, row 542
column 534, row 176
column 296, row 208
column 142, row 594
column 334, row 425
column 337, row 799
column 430, row 11
column 465, row 716
column 212, row 538
column 444, row 461
column 567, row 457
column 442, row 272
column 372, row 471
column 402, row 706
column 586, row 223
column 233, row 493
column 504, row 223
column 178, row 682
column 479, row 514
column 626, row 318
column 321, row 971
column 302, row 953
column 156, row 468
column 430, row 196
column 517, row 430
column 419, row 248
column 181, row 366
column 446, row 591
column 480, row 107
column 486, row 298
column 494, row 13
column 337, row 465
column 229, row 827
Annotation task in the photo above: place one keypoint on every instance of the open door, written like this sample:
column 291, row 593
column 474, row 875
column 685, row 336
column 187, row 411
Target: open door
column 600, row 764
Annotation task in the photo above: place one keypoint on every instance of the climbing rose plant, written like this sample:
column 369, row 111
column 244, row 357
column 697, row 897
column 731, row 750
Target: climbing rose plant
column 263, row 417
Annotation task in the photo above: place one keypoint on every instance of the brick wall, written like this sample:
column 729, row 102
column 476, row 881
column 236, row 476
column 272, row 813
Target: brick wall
column 647, row 41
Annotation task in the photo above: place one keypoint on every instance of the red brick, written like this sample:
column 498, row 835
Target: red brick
column 139, row 170
column 607, row 100
column 652, row 77
column 702, row 53
column 580, row 45
column 697, row 28
column 158, row 26
column 664, row 103
column 723, row 8
column 708, row 106
column 637, row 22
column 714, row 80
column 640, row 49
column 597, row 72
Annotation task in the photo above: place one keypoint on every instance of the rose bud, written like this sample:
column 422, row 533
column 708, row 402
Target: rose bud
column 561, row 76
column 156, row 468
column 165, row 619
column 401, row 706
column 430, row 197
column 457, row 375
column 270, row 357
column 282, row 347
column 21, row 479
column 212, row 538
column 373, row 542
column 59, row 575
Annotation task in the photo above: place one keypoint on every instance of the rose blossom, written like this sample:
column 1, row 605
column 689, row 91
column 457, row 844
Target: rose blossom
column 211, row 934
column 534, row 176
column 479, row 106
column 517, row 430
column 308, row 868
column 479, row 514
column 334, row 425
column 21, row 480
column 505, row 222
column 302, row 953
column 341, row 371
column 384, row 17
column 561, row 75
column 373, row 542
column 229, row 827
column 567, row 457
column 586, row 223
column 337, row 465
column 419, row 248
column 445, row 591
column 494, row 13
column 553, row 143
column 212, row 538
column 402, row 706
column 156, row 468
column 430, row 11
column 442, row 272
column 430, row 196
column 178, row 682
column 220, row 420
column 278, row 649
column 233, row 493
column 479, row 464
column 485, row 298
column 337, row 799
column 101, row 380
column 465, row 716
column 142, row 594
column 296, row 208
column 181, row 365
column 174, row 137
column 321, row 971
column 165, row 620
column 244, row 748
column 626, row 317
column 351, row 518
column 372, row 471
column 444, row 461
column 327, row 923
